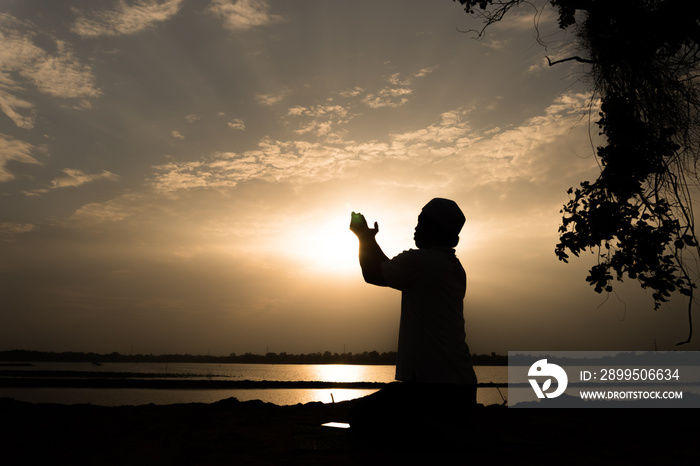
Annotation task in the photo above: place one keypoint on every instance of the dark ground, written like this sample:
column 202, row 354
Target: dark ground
column 238, row 433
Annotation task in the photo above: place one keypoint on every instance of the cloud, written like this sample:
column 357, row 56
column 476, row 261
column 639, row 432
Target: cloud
column 354, row 92
column 124, row 18
column 73, row 178
column 533, row 151
column 12, row 106
column 272, row 99
column 387, row 98
column 192, row 117
column 9, row 230
column 272, row 160
column 236, row 123
column 177, row 135
column 175, row 176
column 425, row 71
column 540, row 22
column 497, row 44
column 242, row 15
column 395, row 94
column 14, row 149
column 395, row 79
column 437, row 154
column 524, row 20
column 320, row 119
column 452, row 129
column 113, row 210
column 57, row 73
column 61, row 75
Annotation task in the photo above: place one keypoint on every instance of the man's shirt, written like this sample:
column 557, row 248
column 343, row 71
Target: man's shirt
column 432, row 346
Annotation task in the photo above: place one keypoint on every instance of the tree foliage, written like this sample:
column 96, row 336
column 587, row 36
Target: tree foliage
column 637, row 216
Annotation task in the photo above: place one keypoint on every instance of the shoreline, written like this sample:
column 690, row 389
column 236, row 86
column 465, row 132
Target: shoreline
column 97, row 382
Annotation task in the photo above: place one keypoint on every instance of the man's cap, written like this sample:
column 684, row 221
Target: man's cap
column 446, row 213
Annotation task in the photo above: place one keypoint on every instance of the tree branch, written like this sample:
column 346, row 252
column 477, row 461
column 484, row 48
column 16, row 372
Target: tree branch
column 577, row 58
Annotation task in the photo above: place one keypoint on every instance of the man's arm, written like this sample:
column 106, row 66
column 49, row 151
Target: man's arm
column 371, row 255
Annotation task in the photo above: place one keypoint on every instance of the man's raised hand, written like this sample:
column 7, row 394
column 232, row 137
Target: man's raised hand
column 358, row 225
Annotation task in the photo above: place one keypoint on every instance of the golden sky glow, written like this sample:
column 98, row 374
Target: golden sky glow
column 178, row 176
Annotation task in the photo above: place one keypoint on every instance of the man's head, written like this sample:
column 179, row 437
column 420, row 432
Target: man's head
column 439, row 224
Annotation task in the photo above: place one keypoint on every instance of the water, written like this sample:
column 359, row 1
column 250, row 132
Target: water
column 254, row 372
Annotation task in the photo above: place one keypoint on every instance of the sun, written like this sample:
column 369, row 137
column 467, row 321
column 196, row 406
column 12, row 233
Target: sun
column 326, row 245
column 337, row 247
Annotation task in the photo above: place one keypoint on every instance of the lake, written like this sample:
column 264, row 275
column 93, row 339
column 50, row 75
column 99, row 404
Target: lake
column 254, row 372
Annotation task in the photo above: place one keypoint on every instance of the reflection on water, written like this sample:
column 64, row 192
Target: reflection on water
column 338, row 372
column 255, row 372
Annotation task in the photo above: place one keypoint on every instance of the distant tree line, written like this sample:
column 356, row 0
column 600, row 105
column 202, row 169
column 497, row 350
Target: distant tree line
column 364, row 358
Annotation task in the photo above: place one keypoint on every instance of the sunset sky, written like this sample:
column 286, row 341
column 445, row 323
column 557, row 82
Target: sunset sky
column 177, row 176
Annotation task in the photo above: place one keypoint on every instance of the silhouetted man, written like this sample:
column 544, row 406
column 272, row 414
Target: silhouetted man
column 437, row 380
